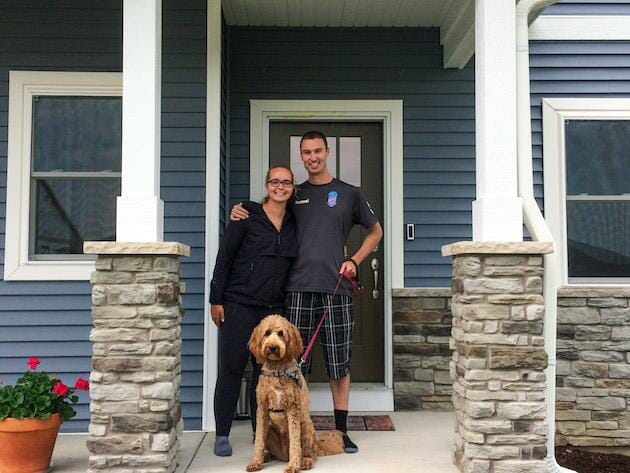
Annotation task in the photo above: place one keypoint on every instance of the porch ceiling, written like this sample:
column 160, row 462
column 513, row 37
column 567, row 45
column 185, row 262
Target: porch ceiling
column 455, row 18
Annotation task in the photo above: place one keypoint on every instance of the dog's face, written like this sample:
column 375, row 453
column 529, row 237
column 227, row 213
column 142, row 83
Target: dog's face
column 275, row 339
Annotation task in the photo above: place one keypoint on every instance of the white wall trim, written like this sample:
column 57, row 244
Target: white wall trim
column 580, row 27
column 139, row 208
column 213, row 197
column 23, row 85
column 555, row 112
column 390, row 113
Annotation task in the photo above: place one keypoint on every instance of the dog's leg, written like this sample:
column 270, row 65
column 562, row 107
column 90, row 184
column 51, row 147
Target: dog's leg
column 295, row 441
column 309, row 443
column 262, row 425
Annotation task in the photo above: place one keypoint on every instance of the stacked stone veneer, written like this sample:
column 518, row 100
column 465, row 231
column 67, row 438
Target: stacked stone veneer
column 135, row 419
column 498, row 360
column 422, row 329
column 593, row 370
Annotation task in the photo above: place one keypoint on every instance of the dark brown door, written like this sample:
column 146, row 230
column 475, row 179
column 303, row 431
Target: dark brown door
column 356, row 157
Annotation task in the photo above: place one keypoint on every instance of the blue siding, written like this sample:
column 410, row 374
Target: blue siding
column 586, row 7
column 392, row 63
column 573, row 69
column 52, row 319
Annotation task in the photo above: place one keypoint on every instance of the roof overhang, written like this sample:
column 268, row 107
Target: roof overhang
column 455, row 18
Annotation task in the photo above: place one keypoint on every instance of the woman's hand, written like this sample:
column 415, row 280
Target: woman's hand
column 238, row 212
column 217, row 313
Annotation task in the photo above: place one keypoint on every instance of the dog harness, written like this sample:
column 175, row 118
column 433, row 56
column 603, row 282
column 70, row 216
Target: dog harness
column 292, row 372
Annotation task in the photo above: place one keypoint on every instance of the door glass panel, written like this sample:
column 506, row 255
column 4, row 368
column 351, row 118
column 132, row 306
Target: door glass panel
column 350, row 160
column 296, row 161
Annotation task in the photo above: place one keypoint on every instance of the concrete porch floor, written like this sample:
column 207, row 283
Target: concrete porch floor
column 422, row 442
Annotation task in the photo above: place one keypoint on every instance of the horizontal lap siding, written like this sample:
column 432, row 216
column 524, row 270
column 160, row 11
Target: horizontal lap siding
column 392, row 63
column 183, row 176
column 52, row 319
column 573, row 69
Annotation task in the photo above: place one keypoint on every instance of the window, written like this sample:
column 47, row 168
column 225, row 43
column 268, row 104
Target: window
column 587, row 187
column 63, row 172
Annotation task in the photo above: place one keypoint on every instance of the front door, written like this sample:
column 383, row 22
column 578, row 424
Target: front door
column 356, row 157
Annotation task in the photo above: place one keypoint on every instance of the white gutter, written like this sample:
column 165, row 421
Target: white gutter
column 532, row 216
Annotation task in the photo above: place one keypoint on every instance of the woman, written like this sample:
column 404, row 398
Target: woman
column 248, row 284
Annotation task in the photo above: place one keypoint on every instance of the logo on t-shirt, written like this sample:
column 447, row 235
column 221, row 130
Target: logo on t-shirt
column 332, row 199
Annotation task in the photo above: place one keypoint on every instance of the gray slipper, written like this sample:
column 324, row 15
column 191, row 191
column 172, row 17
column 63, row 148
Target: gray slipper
column 222, row 447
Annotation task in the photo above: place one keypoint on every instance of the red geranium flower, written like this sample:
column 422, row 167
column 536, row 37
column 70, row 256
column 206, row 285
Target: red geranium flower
column 33, row 362
column 81, row 384
column 60, row 389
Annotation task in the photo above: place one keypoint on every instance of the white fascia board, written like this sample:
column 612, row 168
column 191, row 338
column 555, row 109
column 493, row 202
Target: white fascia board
column 457, row 35
column 580, row 27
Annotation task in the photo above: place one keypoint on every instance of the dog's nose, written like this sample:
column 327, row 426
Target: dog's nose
column 273, row 348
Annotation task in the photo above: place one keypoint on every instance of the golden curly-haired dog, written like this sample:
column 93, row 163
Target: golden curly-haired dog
column 284, row 429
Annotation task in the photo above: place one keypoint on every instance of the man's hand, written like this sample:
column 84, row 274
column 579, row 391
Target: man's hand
column 238, row 213
column 349, row 268
column 217, row 313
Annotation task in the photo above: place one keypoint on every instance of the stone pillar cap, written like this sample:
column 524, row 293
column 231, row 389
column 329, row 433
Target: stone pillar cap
column 497, row 248
column 135, row 248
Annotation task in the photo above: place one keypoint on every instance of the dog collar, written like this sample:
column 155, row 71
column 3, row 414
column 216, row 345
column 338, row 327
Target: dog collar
column 292, row 372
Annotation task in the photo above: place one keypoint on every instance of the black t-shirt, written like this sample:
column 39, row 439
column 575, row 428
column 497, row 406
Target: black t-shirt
column 325, row 214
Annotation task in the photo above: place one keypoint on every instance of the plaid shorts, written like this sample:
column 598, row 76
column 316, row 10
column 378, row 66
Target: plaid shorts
column 305, row 309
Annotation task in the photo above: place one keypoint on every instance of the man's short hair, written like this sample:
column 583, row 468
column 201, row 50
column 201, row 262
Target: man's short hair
column 314, row 135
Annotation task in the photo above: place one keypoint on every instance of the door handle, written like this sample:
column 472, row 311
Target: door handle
column 375, row 265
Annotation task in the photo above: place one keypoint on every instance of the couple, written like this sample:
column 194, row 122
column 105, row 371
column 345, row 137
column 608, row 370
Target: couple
column 299, row 249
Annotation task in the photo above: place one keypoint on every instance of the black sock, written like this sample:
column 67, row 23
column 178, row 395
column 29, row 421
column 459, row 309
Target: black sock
column 341, row 420
column 341, row 423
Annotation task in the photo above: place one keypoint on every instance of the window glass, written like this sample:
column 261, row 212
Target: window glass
column 71, row 211
column 597, row 238
column 350, row 160
column 598, row 157
column 77, row 134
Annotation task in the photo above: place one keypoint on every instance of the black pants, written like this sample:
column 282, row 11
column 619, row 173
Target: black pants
column 240, row 320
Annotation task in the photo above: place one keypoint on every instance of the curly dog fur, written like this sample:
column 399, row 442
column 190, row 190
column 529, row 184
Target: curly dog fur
column 284, row 429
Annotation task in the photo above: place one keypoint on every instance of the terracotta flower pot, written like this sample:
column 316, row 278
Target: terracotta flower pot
column 26, row 445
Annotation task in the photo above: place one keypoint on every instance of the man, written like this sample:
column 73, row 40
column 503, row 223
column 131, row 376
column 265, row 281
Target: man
column 325, row 210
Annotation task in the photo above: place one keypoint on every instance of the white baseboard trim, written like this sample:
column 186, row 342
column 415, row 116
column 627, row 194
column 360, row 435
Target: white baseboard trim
column 366, row 397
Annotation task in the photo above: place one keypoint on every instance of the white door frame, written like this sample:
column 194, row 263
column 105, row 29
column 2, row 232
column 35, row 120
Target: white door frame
column 363, row 396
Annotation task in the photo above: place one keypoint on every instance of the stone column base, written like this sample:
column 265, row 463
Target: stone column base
column 499, row 359
column 135, row 422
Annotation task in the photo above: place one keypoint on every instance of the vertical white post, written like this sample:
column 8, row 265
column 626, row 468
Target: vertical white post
column 140, row 211
column 497, row 211
column 213, row 197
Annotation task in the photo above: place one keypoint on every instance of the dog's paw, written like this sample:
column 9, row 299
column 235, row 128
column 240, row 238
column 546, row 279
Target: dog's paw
column 291, row 469
column 307, row 463
column 254, row 466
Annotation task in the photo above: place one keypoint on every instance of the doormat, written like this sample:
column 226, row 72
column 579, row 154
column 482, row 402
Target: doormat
column 370, row 422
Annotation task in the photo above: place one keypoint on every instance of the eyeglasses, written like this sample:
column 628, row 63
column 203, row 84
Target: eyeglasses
column 277, row 182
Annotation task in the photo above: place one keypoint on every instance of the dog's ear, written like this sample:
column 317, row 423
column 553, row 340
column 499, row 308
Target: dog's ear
column 255, row 342
column 294, row 343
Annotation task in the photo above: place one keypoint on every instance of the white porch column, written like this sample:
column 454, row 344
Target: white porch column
column 140, row 211
column 497, row 211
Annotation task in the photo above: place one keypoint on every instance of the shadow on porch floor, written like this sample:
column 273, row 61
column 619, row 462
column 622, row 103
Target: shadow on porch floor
column 422, row 442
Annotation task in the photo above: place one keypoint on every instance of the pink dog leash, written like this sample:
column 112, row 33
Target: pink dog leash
column 321, row 321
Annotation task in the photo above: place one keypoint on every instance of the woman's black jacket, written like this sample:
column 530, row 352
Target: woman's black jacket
column 254, row 260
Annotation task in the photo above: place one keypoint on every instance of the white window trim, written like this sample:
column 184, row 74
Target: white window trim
column 23, row 85
column 555, row 112
column 371, row 396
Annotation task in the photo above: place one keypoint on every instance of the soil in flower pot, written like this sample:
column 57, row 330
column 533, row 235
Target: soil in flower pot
column 26, row 445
